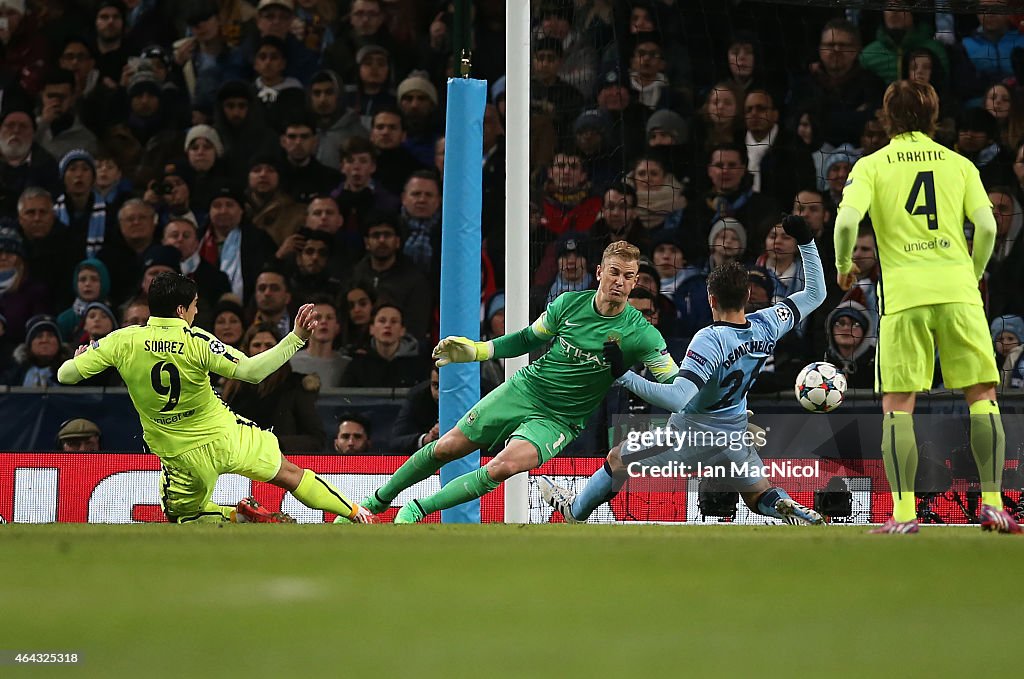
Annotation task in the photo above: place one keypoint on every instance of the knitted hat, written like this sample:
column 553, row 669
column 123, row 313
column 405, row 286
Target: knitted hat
column 229, row 303
column 209, row 134
column 733, row 225
column 143, row 81
column 104, row 308
column 840, row 155
column 235, row 89
column 1010, row 324
column 17, row 5
column 367, row 50
column 162, row 255
column 417, row 82
column 72, row 156
column 857, row 315
column 669, row 122
column 593, row 119
column 39, row 323
column 10, row 240
column 647, row 267
column 496, row 304
column 227, row 191
column 286, row 4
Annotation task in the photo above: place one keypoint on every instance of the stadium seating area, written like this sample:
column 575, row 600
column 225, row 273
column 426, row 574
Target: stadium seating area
column 289, row 151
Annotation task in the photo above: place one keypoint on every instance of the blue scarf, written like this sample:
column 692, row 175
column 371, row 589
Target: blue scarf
column 231, row 260
column 417, row 244
column 38, row 376
column 97, row 221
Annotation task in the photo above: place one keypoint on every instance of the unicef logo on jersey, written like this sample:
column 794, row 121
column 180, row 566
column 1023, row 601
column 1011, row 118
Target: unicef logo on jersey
column 923, row 245
column 217, row 347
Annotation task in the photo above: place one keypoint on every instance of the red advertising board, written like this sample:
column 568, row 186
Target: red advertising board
column 122, row 488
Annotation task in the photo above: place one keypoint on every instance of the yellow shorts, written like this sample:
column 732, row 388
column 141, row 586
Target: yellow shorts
column 905, row 358
column 187, row 479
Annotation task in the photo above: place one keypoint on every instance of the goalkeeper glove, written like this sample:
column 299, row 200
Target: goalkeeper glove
column 616, row 362
column 461, row 350
column 798, row 228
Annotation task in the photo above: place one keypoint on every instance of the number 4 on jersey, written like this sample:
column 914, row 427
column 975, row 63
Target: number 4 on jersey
column 925, row 180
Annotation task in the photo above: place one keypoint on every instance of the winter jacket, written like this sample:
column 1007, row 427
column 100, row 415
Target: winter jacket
column 290, row 410
column 404, row 370
column 860, row 367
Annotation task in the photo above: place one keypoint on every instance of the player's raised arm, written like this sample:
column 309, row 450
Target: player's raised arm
column 813, row 294
column 257, row 368
column 89, row 360
column 455, row 349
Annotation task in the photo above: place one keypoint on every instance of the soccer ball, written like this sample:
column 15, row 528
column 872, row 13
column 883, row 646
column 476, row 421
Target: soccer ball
column 820, row 387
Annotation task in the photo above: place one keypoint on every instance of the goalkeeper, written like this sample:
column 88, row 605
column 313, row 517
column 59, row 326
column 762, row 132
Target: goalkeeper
column 166, row 365
column 708, row 399
column 544, row 406
column 919, row 194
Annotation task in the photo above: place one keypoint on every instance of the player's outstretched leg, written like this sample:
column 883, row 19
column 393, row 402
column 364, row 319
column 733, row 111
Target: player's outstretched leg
column 899, row 453
column 602, row 486
column 518, row 456
column 423, row 463
column 558, row 498
column 316, row 493
column 776, row 503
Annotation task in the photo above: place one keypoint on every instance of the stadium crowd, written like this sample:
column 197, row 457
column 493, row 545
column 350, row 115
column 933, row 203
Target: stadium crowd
column 290, row 151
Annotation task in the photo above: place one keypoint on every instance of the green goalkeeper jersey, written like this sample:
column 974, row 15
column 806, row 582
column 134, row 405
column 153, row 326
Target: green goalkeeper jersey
column 571, row 379
column 166, row 365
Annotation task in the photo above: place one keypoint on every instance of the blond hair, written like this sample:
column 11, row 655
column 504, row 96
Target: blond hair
column 623, row 250
column 910, row 107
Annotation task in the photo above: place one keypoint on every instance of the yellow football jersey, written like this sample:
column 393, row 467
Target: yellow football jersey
column 166, row 365
column 918, row 194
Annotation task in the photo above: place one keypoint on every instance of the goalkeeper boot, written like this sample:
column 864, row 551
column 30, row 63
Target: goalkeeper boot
column 894, row 526
column 796, row 514
column 558, row 498
column 375, row 505
column 250, row 511
column 998, row 520
column 410, row 513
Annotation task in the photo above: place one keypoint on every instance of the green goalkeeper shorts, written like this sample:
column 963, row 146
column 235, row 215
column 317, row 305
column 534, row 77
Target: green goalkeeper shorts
column 187, row 479
column 505, row 413
column 907, row 340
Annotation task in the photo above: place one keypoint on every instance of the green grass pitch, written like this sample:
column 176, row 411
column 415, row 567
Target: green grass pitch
column 517, row 601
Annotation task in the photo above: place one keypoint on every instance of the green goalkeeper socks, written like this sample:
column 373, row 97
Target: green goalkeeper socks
column 988, row 443
column 421, row 465
column 899, row 451
column 462, row 489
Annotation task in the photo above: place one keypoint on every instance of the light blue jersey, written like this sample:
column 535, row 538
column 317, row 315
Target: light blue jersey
column 724, row 359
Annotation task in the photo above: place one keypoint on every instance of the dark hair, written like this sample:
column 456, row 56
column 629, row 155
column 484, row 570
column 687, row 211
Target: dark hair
column 359, row 419
column 382, row 218
column 168, row 291
column 730, row 284
column 388, row 109
column 730, row 146
column 59, row 76
column 626, row 190
column 386, row 305
column 356, row 145
column 641, row 293
column 844, row 26
column 429, row 175
column 323, row 298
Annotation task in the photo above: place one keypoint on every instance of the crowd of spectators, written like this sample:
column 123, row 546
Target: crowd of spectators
column 289, row 151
